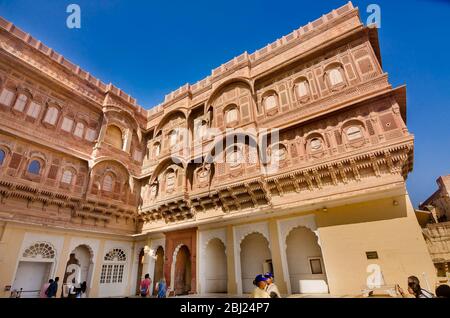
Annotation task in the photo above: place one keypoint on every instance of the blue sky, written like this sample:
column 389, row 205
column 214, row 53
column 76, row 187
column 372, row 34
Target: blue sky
column 149, row 48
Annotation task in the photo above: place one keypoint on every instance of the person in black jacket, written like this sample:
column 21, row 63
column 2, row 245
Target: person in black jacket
column 52, row 288
column 443, row 291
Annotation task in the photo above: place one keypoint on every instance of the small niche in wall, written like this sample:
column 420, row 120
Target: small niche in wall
column 372, row 255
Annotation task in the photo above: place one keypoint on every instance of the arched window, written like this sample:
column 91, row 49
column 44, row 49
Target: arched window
column 234, row 157
column 51, row 116
column 270, row 102
column 231, row 115
column 40, row 249
column 316, row 144
column 79, row 130
column 67, row 124
column 34, row 167
column 113, row 267
column 114, row 137
column 199, row 129
column 137, row 155
column 34, row 110
column 354, row 132
column 2, row 156
column 170, row 180
column 302, row 89
column 67, row 177
column 20, row 103
column 335, row 76
column 91, row 134
column 107, row 183
column 6, row 97
column 173, row 136
column 279, row 153
column 157, row 149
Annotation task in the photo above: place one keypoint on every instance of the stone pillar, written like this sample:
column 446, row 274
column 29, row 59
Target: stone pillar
column 134, row 263
column 61, row 265
column 94, row 291
column 127, row 135
column 102, row 132
column 280, row 280
column 231, row 273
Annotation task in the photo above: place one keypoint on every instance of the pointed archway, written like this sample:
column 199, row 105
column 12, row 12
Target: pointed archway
column 215, row 267
column 182, row 277
column 139, row 271
column 158, row 272
column 255, row 259
column 305, row 263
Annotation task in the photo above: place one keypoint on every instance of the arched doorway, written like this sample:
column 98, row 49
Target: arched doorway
column 158, row 272
column 36, row 266
column 79, row 268
column 255, row 259
column 216, row 267
column 182, row 283
column 305, row 263
column 139, row 271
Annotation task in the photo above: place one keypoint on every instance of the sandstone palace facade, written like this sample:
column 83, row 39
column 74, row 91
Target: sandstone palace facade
column 95, row 188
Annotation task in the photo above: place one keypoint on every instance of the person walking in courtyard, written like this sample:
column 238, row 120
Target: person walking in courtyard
column 260, row 290
column 161, row 288
column 44, row 288
column 271, row 288
column 415, row 289
column 52, row 288
column 145, row 285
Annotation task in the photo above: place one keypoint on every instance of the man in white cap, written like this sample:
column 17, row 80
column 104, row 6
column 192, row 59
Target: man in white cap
column 271, row 288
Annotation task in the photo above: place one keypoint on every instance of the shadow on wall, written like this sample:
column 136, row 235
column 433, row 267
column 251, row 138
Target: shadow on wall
column 370, row 211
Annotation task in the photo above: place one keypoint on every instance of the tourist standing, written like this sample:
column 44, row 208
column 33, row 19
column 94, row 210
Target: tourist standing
column 145, row 285
column 44, row 288
column 52, row 288
column 161, row 288
column 415, row 289
column 260, row 290
column 271, row 288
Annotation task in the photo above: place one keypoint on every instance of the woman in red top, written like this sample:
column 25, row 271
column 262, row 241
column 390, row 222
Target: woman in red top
column 145, row 285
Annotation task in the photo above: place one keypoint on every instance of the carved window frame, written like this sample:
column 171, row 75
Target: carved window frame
column 52, row 106
column 340, row 68
column 11, row 90
column 305, row 98
column 271, row 111
column 226, row 110
column 28, row 95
